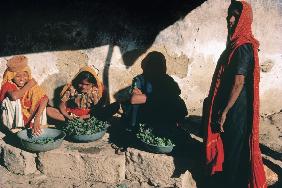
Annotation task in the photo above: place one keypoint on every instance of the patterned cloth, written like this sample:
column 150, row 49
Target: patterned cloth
column 80, row 103
column 80, row 100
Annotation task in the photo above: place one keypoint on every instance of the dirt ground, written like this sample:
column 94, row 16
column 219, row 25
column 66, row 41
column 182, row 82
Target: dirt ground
column 271, row 147
column 10, row 180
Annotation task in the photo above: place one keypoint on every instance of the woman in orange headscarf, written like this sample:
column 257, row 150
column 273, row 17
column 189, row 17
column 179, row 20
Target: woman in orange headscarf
column 83, row 97
column 22, row 100
column 232, row 115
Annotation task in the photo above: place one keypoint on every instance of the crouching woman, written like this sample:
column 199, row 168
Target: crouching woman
column 23, row 101
column 85, row 96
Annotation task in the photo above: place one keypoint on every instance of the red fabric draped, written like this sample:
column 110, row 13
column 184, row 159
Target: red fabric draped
column 8, row 86
column 213, row 143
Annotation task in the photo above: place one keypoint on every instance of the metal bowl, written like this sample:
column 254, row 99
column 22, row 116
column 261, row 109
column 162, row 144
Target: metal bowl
column 157, row 149
column 88, row 138
column 28, row 140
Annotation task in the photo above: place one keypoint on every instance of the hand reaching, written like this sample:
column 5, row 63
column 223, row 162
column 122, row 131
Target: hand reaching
column 36, row 129
column 83, row 117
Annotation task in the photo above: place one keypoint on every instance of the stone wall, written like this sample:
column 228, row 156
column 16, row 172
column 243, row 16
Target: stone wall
column 76, row 164
column 94, row 162
column 116, row 39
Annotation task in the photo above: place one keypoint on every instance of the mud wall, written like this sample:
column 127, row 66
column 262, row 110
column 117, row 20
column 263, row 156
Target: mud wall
column 59, row 37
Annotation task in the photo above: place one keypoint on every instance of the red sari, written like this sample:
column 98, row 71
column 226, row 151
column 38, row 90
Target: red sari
column 213, row 141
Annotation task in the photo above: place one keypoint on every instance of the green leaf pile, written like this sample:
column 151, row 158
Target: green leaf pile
column 146, row 135
column 45, row 140
column 89, row 126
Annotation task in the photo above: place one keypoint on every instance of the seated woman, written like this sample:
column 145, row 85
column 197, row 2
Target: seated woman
column 155, row 99
column 85, row 96
column 23, row 101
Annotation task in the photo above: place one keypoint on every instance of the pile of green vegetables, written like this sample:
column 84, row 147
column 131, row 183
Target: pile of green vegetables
column 45, row 140
column 89, row 126
column 146, row 135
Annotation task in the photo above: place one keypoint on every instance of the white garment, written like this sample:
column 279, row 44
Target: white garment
column 12, row 114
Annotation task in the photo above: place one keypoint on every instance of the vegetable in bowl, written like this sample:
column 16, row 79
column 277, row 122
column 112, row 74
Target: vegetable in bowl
column 85, row 130
column 89, row 126
column 49, row 139
column 152, row 142
column 45, row 140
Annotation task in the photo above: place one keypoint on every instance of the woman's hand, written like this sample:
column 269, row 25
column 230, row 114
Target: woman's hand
column 222, row 119
column 138, row 97
column 95, row 89
column 71, row 116
column 136, row 91
column 84, row 117
column 36, row 130
column 94, row 95
column 235, row 92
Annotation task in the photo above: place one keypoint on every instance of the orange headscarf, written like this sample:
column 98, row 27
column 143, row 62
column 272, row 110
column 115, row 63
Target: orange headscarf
column 16, row 64
column 213, row 143
column 31, row 98
column 91, row 71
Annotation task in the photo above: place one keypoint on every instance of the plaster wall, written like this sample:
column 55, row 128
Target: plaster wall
column 191, row 45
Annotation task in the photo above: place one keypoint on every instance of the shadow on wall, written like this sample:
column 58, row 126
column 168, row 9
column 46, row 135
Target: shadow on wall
column 275, row 155
column 34, row 26
column 51, row 25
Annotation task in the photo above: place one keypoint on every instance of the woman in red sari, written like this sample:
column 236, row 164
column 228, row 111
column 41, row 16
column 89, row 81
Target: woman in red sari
column 231, row 119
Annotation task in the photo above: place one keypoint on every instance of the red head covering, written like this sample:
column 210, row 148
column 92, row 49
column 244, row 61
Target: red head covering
column 243, row 31
column 213, row 143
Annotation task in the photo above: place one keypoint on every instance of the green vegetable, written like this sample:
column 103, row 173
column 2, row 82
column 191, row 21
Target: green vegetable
column 84, row 127
column 146, row 135
column 121, row 186
column 45, row 140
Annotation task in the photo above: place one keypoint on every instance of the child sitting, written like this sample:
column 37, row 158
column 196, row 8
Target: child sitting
column 82, row 98
column 23, row 101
